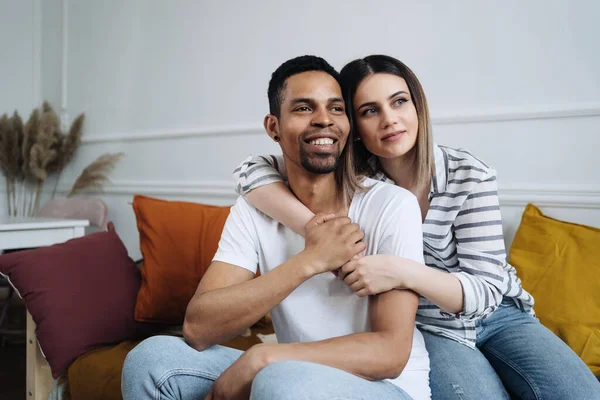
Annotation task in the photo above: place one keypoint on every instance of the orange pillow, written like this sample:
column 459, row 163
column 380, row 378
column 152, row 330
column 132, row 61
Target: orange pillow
column 178, row 241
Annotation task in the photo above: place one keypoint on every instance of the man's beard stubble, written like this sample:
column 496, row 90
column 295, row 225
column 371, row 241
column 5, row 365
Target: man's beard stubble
column 319, row 163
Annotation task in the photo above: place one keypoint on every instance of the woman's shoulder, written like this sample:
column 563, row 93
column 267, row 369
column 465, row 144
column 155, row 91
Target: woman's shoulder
column 460, row 163
column 458, row 174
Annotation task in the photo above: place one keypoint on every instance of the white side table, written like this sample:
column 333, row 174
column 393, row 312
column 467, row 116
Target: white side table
column 21, row 233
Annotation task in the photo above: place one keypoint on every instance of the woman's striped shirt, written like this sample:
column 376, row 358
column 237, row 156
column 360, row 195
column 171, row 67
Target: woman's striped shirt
column 462, row 235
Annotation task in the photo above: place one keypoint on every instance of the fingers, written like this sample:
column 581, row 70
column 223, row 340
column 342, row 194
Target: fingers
column 319, row 219
column 342, row 221
column 348, row 229
column 357, row 236
column 326, row 217
column 359, row 248
column 357, row 286
column 351, row 279
column 346, row 269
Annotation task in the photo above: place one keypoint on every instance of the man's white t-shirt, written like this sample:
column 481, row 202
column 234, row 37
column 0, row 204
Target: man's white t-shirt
column 324, row 307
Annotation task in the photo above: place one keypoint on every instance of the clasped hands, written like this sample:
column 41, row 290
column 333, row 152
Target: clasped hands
column 337, row 246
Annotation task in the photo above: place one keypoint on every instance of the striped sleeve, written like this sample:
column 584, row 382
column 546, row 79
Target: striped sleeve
column 257, row 171
column 480, row 249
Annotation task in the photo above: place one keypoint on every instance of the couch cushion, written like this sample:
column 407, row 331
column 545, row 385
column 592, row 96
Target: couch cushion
column 97, row 374
column 81, row 294
column 178, row 241
column 559, row 264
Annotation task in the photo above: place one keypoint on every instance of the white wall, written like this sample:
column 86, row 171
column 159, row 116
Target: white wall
column 180, row 87
column 19, row 68
column 20, row 62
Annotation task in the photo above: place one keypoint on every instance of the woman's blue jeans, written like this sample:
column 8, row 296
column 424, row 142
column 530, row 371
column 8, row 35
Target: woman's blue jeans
column 516, row 356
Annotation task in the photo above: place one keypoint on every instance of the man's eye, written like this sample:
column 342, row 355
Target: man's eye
column 338, row 109
column 303, row 109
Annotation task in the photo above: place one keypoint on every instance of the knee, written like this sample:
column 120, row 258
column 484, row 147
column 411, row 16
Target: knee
column 278, row 381
column 146, row 354
column 141, row 362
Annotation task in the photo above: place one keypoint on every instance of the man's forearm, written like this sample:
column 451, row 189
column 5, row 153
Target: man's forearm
column 380, row 354
column 370, row 355
column 220, row 314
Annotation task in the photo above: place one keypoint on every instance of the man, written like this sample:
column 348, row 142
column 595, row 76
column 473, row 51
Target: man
column 332, row 343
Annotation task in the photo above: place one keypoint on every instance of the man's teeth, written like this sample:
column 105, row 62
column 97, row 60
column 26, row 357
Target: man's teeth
column 321, row 142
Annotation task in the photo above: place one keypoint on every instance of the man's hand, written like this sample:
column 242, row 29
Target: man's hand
column 332, row 241
column 235, row 382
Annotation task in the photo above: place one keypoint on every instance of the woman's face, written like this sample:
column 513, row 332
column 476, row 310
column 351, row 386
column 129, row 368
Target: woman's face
column 386, row 117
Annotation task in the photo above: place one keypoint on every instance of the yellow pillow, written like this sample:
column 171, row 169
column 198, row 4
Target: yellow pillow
column 559, row 264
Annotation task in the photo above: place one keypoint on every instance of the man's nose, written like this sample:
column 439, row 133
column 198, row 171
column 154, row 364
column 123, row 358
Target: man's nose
column 322, row 118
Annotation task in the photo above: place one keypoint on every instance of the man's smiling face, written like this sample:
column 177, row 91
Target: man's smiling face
column 313, row 123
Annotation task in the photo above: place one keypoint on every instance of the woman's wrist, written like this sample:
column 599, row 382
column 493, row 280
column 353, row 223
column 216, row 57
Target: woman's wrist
column 411, row 274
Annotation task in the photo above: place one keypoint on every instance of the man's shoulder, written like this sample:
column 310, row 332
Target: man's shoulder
column 246, row 210
column 251, row 217
column 384, row 192
column 381, row 198
column 242, row 206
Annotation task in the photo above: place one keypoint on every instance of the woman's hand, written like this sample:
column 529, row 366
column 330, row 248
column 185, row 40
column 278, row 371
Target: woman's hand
column 376, row 274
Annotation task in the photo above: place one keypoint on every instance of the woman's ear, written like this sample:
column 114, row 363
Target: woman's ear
column 271, row 124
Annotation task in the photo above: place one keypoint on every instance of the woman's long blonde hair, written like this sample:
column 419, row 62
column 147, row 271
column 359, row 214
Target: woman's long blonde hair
column 347, row 177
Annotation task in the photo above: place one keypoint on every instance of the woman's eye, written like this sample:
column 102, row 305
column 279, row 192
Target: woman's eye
column 369, row 111
column 400, row 101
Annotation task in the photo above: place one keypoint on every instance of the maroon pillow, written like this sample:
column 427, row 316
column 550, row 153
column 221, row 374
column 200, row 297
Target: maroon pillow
column 81, row 294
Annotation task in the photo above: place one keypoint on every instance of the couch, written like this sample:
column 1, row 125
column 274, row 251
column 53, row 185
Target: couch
column 178, row 240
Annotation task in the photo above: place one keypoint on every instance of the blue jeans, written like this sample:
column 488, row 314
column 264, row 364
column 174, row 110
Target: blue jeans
column 515, row 356
column 165, row 367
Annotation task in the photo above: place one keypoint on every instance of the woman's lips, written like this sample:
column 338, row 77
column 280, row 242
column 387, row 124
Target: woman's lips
column 392, row 137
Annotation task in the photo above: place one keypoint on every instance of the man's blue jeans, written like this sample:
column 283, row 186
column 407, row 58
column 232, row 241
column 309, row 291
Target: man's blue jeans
column 516, row 354
column 165, row 367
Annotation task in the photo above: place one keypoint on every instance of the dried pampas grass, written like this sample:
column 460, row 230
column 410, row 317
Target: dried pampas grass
column 66, row 146
column 11, row 136
column 5, row 145
column 18, row 131
column 31, row 152
column 30, row 134
column 9, row 139
column 42, row 154
column 96, row 174
column 5, row 129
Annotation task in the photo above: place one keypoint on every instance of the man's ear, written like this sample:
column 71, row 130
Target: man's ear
column 271, row 124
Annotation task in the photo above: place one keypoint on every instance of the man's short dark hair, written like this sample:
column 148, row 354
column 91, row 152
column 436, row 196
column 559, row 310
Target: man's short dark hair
column 292, row 67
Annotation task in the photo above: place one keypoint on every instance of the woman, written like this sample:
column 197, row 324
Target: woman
column 476, row 318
